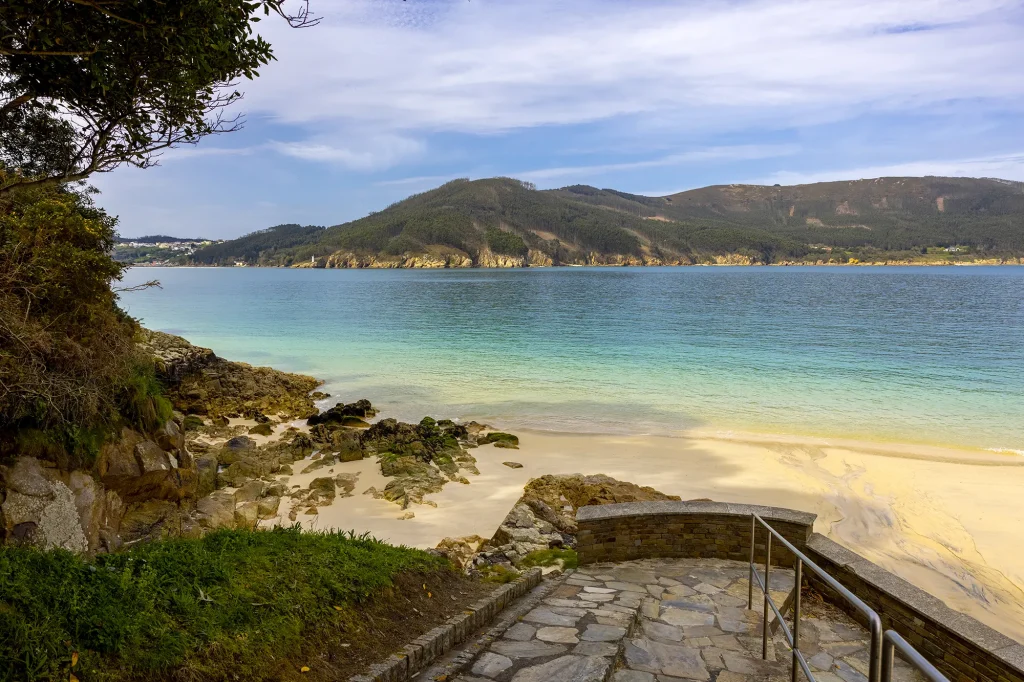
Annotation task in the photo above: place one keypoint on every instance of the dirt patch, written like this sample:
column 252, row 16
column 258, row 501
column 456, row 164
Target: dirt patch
column 375, row 630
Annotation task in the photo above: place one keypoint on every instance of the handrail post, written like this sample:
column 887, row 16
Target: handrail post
column 887, row 660
column 767, row 570
column 753, row 540
column 876, row 649
column 796, row 614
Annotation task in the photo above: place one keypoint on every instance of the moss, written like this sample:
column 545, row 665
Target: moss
column 227, row 606
column 566, row 558
column 193, row 422
column 498, row 573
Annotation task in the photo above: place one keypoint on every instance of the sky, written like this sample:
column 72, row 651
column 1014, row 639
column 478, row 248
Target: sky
column 386, row 98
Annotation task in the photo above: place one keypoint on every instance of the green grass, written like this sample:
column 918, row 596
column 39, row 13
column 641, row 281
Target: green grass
column 230, row 605
column 550, row 557
column 498, row 573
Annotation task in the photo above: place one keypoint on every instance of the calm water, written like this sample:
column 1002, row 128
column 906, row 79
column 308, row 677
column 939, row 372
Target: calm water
column 919, row 354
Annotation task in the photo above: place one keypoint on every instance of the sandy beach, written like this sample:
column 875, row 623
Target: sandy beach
column 947, row 520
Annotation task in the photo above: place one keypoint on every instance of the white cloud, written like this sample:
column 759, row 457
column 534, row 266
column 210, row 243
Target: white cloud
column 489, row 66
column 734, row 153
column 1003, row 166
column 367, row 154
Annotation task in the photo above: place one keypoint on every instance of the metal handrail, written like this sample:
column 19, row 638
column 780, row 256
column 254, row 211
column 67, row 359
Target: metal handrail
column 892, row 641
column 793, row 637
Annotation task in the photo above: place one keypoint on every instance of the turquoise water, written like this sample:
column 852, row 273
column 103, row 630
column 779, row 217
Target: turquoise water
column 913, row 354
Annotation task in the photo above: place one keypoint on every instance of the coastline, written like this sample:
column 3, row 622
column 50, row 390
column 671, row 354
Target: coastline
column 529, row 266
column 942, row 518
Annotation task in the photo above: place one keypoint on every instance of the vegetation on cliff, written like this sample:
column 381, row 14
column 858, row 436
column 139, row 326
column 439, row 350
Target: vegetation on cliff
column 502, row 222
column 235, row 604
column 70, row 374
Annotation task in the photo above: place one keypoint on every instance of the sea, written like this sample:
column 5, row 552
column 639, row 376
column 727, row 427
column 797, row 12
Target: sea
column 910, row 354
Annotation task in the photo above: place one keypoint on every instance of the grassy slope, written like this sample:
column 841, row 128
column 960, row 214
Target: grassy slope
column 238, row 604
column 895, row 215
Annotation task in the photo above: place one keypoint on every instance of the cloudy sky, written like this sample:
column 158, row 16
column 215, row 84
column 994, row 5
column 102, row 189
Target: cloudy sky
column 386, row 98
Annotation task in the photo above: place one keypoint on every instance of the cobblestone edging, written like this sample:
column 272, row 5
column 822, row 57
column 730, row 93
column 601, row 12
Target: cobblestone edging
column 427, row 648
column 962, row 648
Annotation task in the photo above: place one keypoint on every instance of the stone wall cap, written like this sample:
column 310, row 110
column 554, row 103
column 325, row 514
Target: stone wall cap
column 675, row 508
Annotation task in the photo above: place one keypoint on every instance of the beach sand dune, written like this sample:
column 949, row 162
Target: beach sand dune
column 947, row 520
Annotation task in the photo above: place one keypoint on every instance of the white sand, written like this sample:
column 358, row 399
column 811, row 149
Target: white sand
column 947, row 520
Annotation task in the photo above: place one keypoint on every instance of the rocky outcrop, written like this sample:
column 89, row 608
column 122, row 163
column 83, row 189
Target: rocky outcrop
column 545, row 516
column 200, row 382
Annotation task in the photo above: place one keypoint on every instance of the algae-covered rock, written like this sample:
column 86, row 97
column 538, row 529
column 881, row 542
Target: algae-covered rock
column 352, row 414
column 264, row 429
column 500, row 440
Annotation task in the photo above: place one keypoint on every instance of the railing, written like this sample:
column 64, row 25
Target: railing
column 893, row 641
column 882, row 655
column 793, row 636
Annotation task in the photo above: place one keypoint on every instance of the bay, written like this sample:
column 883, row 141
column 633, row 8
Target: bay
column 912, row 354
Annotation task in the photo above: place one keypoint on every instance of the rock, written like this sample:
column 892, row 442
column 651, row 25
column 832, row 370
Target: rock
column 199, row 382
column 25, row 476
column 547, row 617
column 500, row 440
column 491, row 665
column 567, row 669
column 151, row 520
column 249, row 492
column 170, row 437
column 247, row 514
column 216, row 511
column 91, row 506
column 531, row 649
column 206, row 474
column 513, row 465
column 268, row 506
column 667, row 659
column 263, row 429
column 559, row 635
column 117, row 458
column 345, row 414
column 152, row 458
column 406, row 516
column 521, row 632
column 246, row 468
column 322, row 490
column 240, row 444
column 603, row 633
column 346, row 483
column 194, row 422
column 460, row 551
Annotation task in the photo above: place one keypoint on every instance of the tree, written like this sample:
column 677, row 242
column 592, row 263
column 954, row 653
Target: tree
column 89, row 85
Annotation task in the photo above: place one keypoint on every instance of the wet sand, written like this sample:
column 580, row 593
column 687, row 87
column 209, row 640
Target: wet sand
column 947, row 520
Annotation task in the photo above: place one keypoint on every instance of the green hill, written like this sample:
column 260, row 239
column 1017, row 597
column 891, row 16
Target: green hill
column 502, row 222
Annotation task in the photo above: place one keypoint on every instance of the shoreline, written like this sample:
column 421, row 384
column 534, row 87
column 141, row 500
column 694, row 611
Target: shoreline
column 896, row 264
column 942, row 518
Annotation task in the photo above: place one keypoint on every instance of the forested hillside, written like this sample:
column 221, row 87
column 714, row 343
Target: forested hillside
column 502, row 222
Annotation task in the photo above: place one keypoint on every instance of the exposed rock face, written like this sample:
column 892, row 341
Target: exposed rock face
column 199, row 382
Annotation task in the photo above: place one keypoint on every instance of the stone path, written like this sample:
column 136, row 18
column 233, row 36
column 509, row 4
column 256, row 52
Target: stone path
column 667, row 620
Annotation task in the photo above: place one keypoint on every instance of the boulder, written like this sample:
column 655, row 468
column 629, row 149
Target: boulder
column 252, row 490
column 117, row 458
column 216, row 511
column 206, row 475
column 151, row 520
column 322, row 490
column 152, row 458
column 268, row 506
column 170, row 437
column 341, row 414
column 247, row 514
column 263, row 429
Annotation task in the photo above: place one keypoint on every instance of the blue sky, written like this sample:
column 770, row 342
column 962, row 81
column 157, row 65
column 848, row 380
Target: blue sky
column 386, row 98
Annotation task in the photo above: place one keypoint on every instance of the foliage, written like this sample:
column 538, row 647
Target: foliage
column 229, row 605
column 566, row 558
column 68, row 363
column 88, row 85
column 503, row 242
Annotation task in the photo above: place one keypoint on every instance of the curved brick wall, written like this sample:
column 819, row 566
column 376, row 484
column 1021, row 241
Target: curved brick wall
column 958, row 645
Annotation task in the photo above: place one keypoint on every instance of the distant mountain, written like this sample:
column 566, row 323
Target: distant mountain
column 502, row 222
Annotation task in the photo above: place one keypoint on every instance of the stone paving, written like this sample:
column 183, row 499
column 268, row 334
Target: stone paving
column 667, row 620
